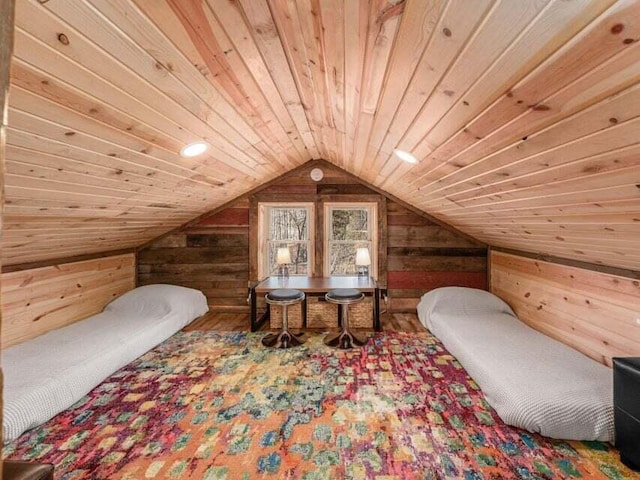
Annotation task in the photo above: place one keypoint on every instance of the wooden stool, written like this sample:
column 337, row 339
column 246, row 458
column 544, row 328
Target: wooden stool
column 284, row 339
column 14, row 470
column 344, row 297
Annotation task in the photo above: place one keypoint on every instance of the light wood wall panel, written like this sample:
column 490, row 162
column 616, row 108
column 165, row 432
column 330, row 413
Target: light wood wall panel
column 523, row 115
column 596, row 313
column 38, row 300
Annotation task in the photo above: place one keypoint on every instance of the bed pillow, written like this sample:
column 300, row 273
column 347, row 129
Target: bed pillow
column 463, row 301
column 160, row 299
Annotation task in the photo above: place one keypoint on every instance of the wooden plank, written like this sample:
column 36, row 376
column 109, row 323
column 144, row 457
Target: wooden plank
column 573, row 263
column 229, row 216
column 78, row 258
column 515, row 110
column 429, row 235
column 425, row 281
column 263, row 27
column 437, row 264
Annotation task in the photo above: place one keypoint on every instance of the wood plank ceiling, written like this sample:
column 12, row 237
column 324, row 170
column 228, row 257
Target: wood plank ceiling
column 523, row 114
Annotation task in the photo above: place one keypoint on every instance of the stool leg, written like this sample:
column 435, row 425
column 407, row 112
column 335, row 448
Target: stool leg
column 345, row 339
column 284, row 339
column 285, row 318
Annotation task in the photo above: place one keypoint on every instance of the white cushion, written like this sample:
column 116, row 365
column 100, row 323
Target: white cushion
column 531, row 380
column 49, row 373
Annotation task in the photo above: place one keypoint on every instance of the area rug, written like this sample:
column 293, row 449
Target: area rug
column 212, row 406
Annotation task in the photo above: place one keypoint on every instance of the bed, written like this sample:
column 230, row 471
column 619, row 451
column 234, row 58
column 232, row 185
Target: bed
column 532, row 381
column 49, row 373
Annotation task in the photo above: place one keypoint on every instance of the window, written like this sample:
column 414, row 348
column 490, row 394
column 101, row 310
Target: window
column 286, row 225
column 349, row 226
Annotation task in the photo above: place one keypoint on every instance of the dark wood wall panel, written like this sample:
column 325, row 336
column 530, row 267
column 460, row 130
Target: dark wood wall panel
column 422, row 255
column 212, row 256
column 218, row 254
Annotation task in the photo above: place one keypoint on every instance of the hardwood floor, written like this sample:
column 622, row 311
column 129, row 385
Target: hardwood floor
column 222, row 321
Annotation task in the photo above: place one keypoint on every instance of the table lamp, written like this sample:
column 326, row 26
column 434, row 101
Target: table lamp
column 283, row 259
column 363, row 260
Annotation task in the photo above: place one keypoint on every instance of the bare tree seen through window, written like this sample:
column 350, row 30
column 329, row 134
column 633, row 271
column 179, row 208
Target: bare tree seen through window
column 349, row 230
column 289, row 227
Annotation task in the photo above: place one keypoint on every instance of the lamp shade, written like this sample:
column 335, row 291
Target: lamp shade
column 283, row 256
column 362, row 257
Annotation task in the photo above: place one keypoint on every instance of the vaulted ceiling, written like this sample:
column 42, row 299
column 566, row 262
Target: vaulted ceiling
column 523, row 114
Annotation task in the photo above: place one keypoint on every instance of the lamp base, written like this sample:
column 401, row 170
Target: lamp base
column 363, row 271
column 283, row 271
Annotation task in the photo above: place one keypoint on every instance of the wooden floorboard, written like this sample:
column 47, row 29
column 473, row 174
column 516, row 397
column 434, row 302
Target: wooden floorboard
column 222, row 321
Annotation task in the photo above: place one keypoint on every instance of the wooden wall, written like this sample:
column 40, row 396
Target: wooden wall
column 423, row 255
column 212, row 256
column 596, row 313
column 38, row 300
column 215, row 255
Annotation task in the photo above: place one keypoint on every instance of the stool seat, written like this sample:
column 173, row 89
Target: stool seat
column 15, row 470
column 284, row 295
column 344, row 294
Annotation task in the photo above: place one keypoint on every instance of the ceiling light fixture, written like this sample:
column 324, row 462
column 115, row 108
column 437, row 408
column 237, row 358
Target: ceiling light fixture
column 406, row 156
column 194, row 149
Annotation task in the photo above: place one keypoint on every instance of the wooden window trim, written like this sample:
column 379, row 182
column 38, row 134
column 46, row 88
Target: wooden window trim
column 262, row 227
column 374, row 215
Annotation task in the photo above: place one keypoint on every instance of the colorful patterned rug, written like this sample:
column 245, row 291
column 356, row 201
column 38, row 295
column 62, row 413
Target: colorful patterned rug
column 212, row 406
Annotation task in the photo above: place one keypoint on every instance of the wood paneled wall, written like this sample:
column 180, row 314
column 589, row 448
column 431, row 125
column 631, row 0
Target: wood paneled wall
column 423, row 255
column 42, row 299
column 215, row 253
column 211, row 255
column 596, row 313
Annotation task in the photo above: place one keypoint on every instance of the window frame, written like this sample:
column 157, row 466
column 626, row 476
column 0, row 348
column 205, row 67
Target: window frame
column 372, row 207
column 264, row 209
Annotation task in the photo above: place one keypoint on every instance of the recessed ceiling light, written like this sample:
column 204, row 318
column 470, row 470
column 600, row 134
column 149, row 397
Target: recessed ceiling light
column 194, row 149
column 406, row 156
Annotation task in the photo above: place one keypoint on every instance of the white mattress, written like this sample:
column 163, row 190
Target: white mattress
column 531, row 380
column 48, row 374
